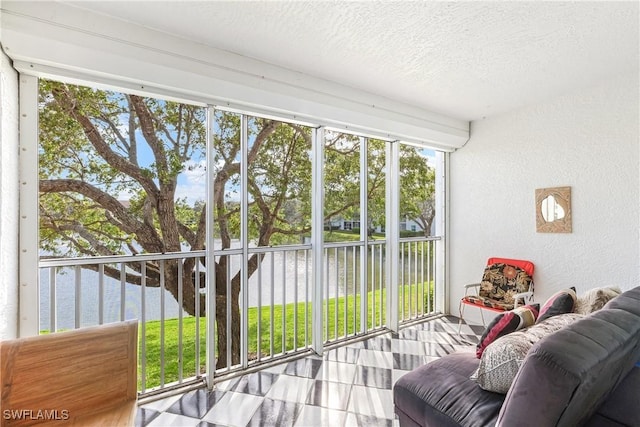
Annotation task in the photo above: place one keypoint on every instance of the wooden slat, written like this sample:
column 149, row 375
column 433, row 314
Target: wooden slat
column 80, row 374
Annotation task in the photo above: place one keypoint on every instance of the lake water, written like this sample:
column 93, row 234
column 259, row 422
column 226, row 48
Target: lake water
column 280, row 278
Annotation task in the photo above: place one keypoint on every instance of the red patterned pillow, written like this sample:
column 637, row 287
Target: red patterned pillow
column 507, row 322
column 561, row 302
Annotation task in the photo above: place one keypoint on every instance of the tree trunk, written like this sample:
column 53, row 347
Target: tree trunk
column 223, row 328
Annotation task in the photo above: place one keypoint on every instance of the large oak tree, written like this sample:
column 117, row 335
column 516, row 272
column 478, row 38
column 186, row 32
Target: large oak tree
column 111, row 166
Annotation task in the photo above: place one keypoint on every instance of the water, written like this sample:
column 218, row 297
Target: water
column 283, row 276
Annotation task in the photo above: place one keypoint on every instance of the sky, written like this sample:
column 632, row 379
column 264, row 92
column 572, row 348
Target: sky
column 192, row 181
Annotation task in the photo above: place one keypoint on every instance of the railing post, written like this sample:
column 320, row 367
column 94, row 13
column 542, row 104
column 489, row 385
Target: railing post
column 317, row 237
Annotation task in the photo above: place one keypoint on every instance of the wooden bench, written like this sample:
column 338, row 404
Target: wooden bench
column 83, row 377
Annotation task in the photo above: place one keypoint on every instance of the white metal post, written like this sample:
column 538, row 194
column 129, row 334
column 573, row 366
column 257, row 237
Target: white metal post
column 244, row 239
column 392, row 212
column 317, row 237
column 29, row 316
column 364, row 237
column 210, row 256
column 442, row 227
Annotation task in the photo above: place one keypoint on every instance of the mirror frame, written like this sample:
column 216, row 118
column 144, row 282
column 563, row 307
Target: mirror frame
column 562, row 195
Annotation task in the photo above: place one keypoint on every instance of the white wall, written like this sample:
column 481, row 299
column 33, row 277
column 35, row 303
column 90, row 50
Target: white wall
column 587, row 140
column 8, row 199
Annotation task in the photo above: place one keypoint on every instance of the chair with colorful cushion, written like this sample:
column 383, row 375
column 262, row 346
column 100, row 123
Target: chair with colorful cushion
column 506, row 284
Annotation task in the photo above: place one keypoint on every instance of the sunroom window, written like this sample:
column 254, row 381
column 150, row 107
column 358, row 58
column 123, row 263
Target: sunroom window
column 291, row 235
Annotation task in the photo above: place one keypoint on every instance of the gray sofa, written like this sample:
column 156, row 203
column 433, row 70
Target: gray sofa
column 583, row 374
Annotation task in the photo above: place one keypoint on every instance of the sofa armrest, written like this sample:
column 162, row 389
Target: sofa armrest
column 567, row 375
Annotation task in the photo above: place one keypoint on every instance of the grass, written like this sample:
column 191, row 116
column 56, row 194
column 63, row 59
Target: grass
column 335, row 328
column 348, row 236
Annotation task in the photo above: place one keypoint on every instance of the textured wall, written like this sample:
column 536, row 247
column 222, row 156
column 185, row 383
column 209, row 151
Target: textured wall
column 8, row 198
column 587, row 140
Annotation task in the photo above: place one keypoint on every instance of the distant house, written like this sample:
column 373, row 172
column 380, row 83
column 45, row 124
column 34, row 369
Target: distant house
column 410, row 225
column 342, row 224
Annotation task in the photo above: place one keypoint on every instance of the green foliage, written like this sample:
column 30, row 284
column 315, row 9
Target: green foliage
column 417, row 187
column 94, row 152
column 408, row 233
column 168, row 140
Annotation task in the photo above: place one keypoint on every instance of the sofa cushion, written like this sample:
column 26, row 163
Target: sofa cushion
column 440, row 393
column 594, row 299
column 502, row 359
column 507, row 322
column 561, row 302
column 575, row 369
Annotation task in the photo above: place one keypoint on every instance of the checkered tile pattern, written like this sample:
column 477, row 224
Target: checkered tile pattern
column 347, row 386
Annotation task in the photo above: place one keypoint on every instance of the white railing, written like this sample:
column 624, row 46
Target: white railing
column 275, row 314
column 417, row 278
column 79, row 292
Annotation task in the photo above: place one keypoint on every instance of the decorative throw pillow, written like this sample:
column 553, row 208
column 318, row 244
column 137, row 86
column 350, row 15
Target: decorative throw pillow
column 561, row 302
column 507, row 322
column 594, row 299
column 502, row 359
column 500, row 282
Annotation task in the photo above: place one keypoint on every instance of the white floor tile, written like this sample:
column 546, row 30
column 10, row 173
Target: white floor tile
column 371, row 401
column 376, row 358
column 290, row 388
column 234, row 409
column 396, row 375
column 312, row 416
column 337, row 372
column 226, row 385
column 162, row 404
column 167, row 419
column 276, row 369
column 407, row 347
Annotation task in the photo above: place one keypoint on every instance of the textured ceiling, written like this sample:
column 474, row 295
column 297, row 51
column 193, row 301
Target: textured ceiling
column 467, row 60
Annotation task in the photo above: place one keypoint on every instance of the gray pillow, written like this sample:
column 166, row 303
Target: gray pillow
column 502, row 359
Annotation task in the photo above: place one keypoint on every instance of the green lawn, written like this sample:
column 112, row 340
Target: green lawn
column 153, row 330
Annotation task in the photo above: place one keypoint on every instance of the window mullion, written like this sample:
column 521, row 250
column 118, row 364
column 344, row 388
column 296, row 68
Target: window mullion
column 29, row 294
column 244, row 236
column 364, row 253
column 317, row 236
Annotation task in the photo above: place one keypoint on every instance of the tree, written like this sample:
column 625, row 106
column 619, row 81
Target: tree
column 417, row 188
column 96, row 145
column 99, row 148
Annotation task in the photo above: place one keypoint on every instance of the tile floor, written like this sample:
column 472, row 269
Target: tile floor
column 347, row 386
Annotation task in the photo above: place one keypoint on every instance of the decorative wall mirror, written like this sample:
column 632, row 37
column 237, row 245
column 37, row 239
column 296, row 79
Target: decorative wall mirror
column 553, row 210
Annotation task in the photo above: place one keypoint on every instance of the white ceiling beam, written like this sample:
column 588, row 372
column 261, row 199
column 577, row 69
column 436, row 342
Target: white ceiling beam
column 49, row 39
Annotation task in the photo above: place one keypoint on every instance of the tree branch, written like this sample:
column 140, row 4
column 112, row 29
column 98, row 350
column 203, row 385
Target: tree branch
column 70, row 105
column 147, row 235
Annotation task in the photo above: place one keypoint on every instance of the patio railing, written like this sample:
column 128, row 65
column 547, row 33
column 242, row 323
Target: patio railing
column 276, row 313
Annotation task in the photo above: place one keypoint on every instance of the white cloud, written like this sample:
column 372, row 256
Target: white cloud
column 192, row 181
